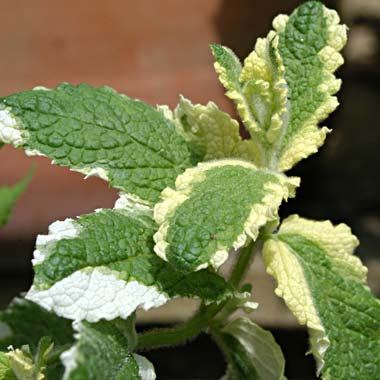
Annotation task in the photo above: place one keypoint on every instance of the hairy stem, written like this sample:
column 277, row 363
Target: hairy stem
column 181, row 333
column 201, row 320
column 242, row 264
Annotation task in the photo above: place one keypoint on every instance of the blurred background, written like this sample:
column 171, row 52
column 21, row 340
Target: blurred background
column 156, row 50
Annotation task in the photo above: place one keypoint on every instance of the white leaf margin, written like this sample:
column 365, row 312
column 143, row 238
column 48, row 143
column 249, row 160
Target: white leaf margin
column 97, row 293
column 260, row 214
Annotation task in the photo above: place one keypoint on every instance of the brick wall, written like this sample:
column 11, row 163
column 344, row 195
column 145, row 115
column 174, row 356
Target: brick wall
column 152, row 50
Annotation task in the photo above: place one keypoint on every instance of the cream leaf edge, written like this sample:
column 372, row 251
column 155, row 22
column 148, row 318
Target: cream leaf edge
column 96, row 294
column 258, row 74
column 22, row 365
column 12, row 132
column 213, row 130
column 293, row 287
column 260, row 214
column 337, row 241
column 310, row 137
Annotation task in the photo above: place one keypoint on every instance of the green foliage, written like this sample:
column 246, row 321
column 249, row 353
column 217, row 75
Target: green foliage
column 22, row 364
column 111, row 253
column 193, row 191
column 252, row 352
column 211, row 133
column 9, row 196
column 20, row 324
column 322, row 284
column 6, row 372
column 26, row 323
column 99, row 132
column 101, row 352
column 216, row 206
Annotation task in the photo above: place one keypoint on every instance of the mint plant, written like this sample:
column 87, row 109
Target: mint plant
column 192, row 192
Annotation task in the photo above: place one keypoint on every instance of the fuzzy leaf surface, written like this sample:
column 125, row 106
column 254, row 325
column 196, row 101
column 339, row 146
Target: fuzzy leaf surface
column 99, row 132
column 258, row 90
column 102, row 266
column 309, row 44
column 285, row 87
column 211, row 133
column 324, row 285
column 214, row 208
column 252, row 352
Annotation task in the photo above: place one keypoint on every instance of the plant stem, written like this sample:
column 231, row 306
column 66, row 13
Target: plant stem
column 128, row 328
column 202, row 319
column 242, row 264
column 181, row 333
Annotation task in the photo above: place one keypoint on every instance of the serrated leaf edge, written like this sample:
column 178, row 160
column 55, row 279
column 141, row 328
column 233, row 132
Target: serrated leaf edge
column 304, row 144
column 172, row 199
column 260, row 213
column 337, row 241
column 279, row 262
column 113, row 298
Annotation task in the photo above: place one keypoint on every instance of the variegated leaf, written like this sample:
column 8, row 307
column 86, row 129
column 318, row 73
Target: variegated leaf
column 216, row 207
column 211, row 133
column 101, row 352
column 286, row 86
column 324, row 285
column 102, row 266
column 97, row 131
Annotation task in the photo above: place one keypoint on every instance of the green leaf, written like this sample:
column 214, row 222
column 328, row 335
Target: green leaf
column 44, row 349
column 252, row 352
column 9, row 196
column 216, row 207
column 309, row 44
column 97, row 131
column 258, row 90
column 101, row 352
column 286, row 85
column 6, row 372
column 21, row 364
column 324, row 285
column 102, row 266
column 211, row 133
column 24, row 322
column 228, row 66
